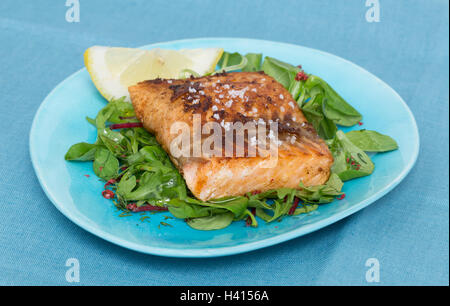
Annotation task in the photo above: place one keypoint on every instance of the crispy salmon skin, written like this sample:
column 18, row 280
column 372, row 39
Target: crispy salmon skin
column 230, row 98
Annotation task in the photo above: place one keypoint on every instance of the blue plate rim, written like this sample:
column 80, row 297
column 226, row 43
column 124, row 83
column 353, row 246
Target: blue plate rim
column 245, row 247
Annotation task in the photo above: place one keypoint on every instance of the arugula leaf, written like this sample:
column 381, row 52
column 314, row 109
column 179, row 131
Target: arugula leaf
column 248, row 214
column 305, row 209
column 81, row 152
column 281, row 208
column 91, row 121
column 114, row 141
column 106, row 164
column 371, row 141
column 126, row 184
column 132, row 144
column 261, row 213
column 282, row 199
column 349, row 161
column 333, row 186
column 322, row 193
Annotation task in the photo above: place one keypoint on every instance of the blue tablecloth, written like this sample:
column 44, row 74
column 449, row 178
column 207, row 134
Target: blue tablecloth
column 407, row 230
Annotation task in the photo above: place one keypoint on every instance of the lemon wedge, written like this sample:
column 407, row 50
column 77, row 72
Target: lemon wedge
column 113, row 70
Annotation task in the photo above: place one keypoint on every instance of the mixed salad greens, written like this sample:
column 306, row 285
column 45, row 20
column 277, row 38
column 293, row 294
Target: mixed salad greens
column 140, row 177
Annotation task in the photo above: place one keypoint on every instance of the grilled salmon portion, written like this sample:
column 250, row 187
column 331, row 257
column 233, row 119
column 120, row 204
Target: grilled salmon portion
column 226, row 99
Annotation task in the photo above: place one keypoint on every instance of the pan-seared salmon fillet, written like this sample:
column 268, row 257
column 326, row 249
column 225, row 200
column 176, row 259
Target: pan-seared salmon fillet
column 230, row 98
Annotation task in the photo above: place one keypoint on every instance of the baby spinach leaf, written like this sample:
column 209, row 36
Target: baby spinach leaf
column 338, row 116
column 332, row 106
column 121, row 111
column 253, row 62
column 236, row 205
column 213, row 222
column 153, row 158
column 335, row 107
column 229, row 59
column 231, row 62
column 115, row 111
column 103, row 116
column 282, row 72
column 313, row 112
column 295, row 88
column 81, row 152
column 371, row 141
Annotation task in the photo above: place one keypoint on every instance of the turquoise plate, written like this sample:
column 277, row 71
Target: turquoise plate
column 60, row 122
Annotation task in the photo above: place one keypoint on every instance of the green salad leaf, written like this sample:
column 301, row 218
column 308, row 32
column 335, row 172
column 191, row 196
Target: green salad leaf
column 282, row 72
column 106, row 164
column 372, row 141
column 349, row 161
column 253, row 62
column 183, row 210
column 313, row 111
column 323, row 193
column 232, row 61
column 81, row 151
column 126, row 184
column 213, row 222
column 335, row 107
column 235, row 205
